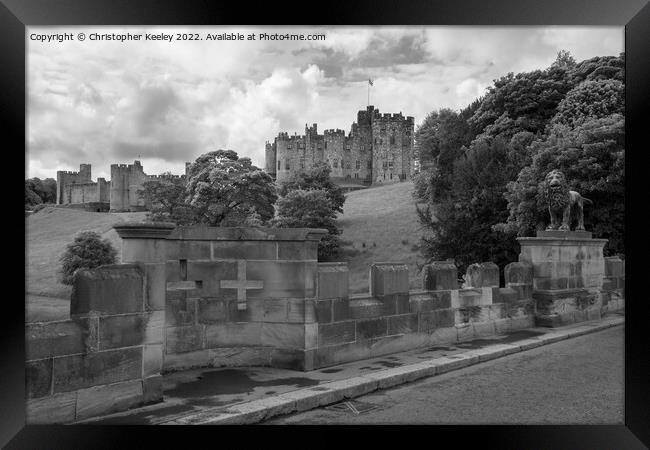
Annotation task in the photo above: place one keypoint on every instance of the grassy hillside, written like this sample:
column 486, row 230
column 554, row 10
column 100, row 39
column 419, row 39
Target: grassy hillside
column 381, row 225
column 47, row 234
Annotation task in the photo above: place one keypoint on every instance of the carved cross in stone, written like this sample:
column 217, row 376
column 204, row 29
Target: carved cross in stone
column 241, row 284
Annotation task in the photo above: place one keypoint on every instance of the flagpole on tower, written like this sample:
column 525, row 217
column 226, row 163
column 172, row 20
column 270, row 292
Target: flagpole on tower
column 369, row 84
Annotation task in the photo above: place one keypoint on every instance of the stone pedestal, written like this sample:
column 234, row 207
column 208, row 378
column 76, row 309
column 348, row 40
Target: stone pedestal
column 568, row 271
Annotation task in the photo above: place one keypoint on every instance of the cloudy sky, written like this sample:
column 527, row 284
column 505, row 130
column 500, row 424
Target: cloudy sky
column 168, row 102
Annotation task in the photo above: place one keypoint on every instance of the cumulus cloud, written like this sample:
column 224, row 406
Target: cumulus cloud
column 166, row 103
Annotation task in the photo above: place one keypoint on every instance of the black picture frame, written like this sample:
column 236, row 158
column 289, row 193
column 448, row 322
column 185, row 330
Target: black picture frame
column 15, row 15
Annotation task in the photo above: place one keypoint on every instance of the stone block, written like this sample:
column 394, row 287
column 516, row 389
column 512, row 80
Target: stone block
column 333, row 280
column 188, row 360
column 464, row 332
column 254, row 311
column 524, row 290
column 38, row 378
column 212, row 310
column 520, row 308
column 155, row 274
column 469, row 297
column 288, row 358
column 405, row 323
column 485, row 328
column 231, row 334
column 111, row 289
column 311, row 335
column 300, row 310
column 53, row 409
column 283, row 335
column 269, row 250
column 432, row 320
column 152, row 359
column 306, row 250
column 340, row 309
column 518, row 272
column 184, row 338
column 188, row 250
column 122, row 331
column 323, row 311
column 282, row 279
column 440, row 275
column 173, row 271
column 180, row 311
column 92, row 369
column 593, row 314
column 152, row 389
column 579, row 316
column 59, row 338
column 240, row 356
column 371, row 328
column 275, row 310
column 482, row 275
column 101, row 400
column 210, row 274
column 609, row 283
column 365, row 308
column 336, row 333
column 388, row 278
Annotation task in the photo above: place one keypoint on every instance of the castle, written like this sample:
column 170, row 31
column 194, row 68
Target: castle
column 121, row 193
column 378, row 149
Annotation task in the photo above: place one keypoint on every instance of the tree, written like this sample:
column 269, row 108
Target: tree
column 39, row 191
column 87, row 251
column 592, row 157
column 221, row 186
column 463, row 225
column 166, row 199
column 318, row 177
column 310, row 209
column 591, row 99
column 31, row 198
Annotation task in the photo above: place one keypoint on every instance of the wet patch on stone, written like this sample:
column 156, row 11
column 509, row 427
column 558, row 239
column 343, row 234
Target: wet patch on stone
column 145, row 417
column 389, row 363
column 506, row 338
column 230, row 382
column 331, row 370
column 320, row 389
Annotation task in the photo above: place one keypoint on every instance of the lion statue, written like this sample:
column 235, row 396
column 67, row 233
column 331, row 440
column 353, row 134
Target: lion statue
column 564, row 205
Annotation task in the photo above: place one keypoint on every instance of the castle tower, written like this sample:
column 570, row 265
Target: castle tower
column 65, row 179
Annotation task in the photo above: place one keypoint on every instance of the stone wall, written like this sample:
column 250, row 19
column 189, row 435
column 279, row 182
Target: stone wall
column 391, row 318
column 107, row 357
column 267, row 321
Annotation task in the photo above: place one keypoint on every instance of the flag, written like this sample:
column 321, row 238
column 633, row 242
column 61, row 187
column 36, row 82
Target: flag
column 369, row 81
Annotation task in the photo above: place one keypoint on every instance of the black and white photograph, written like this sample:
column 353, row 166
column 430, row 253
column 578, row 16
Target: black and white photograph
column 325, row 225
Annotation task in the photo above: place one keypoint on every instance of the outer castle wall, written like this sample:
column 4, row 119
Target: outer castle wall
column 378, row 149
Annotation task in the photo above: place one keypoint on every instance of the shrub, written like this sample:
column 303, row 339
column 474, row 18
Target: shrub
column 87, row 251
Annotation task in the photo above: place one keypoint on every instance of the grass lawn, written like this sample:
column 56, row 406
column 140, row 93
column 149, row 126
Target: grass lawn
column 381, row 224
column 47, row 234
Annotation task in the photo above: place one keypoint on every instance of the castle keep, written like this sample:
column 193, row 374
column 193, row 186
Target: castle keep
column 378, row 149
column 121, row 193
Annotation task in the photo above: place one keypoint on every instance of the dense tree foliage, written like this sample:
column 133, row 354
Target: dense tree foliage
column 87, row 251
column 165, row 198
column 39, row 191
column 224, row 189
column 318, row 177
column 567, row 117
column 310, row 209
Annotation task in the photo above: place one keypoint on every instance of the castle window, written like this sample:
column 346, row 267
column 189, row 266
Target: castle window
column 289, row 146
column 390, row 165
column 279, row 164
column 286, row 165
column 384, row 165
column 347, row 166
column 325, row 144
column 392, row 139
column 342, row 163
column 391, row 176
column 302, row 164
column 369, row 164
column 362, row 148
column 336, row 163
column 376, row 140
column 358, row 166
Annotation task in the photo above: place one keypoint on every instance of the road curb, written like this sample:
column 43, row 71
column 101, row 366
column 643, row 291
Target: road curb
column 335, row 391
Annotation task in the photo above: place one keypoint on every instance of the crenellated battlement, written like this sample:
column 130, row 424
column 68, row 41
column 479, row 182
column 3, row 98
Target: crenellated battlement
column 366, row 155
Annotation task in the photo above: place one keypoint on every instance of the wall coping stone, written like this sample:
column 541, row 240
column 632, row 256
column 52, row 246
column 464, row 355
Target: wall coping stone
column 526, row 241
column 205, row 233
column 565, row 234
column 144, row 230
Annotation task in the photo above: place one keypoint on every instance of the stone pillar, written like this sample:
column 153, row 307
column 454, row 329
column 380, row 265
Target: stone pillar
column 144, row 243
column 568, row 270
column 389, row 282
column 440, row 275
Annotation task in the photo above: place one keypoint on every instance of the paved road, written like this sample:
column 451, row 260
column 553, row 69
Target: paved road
column 574, row 381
